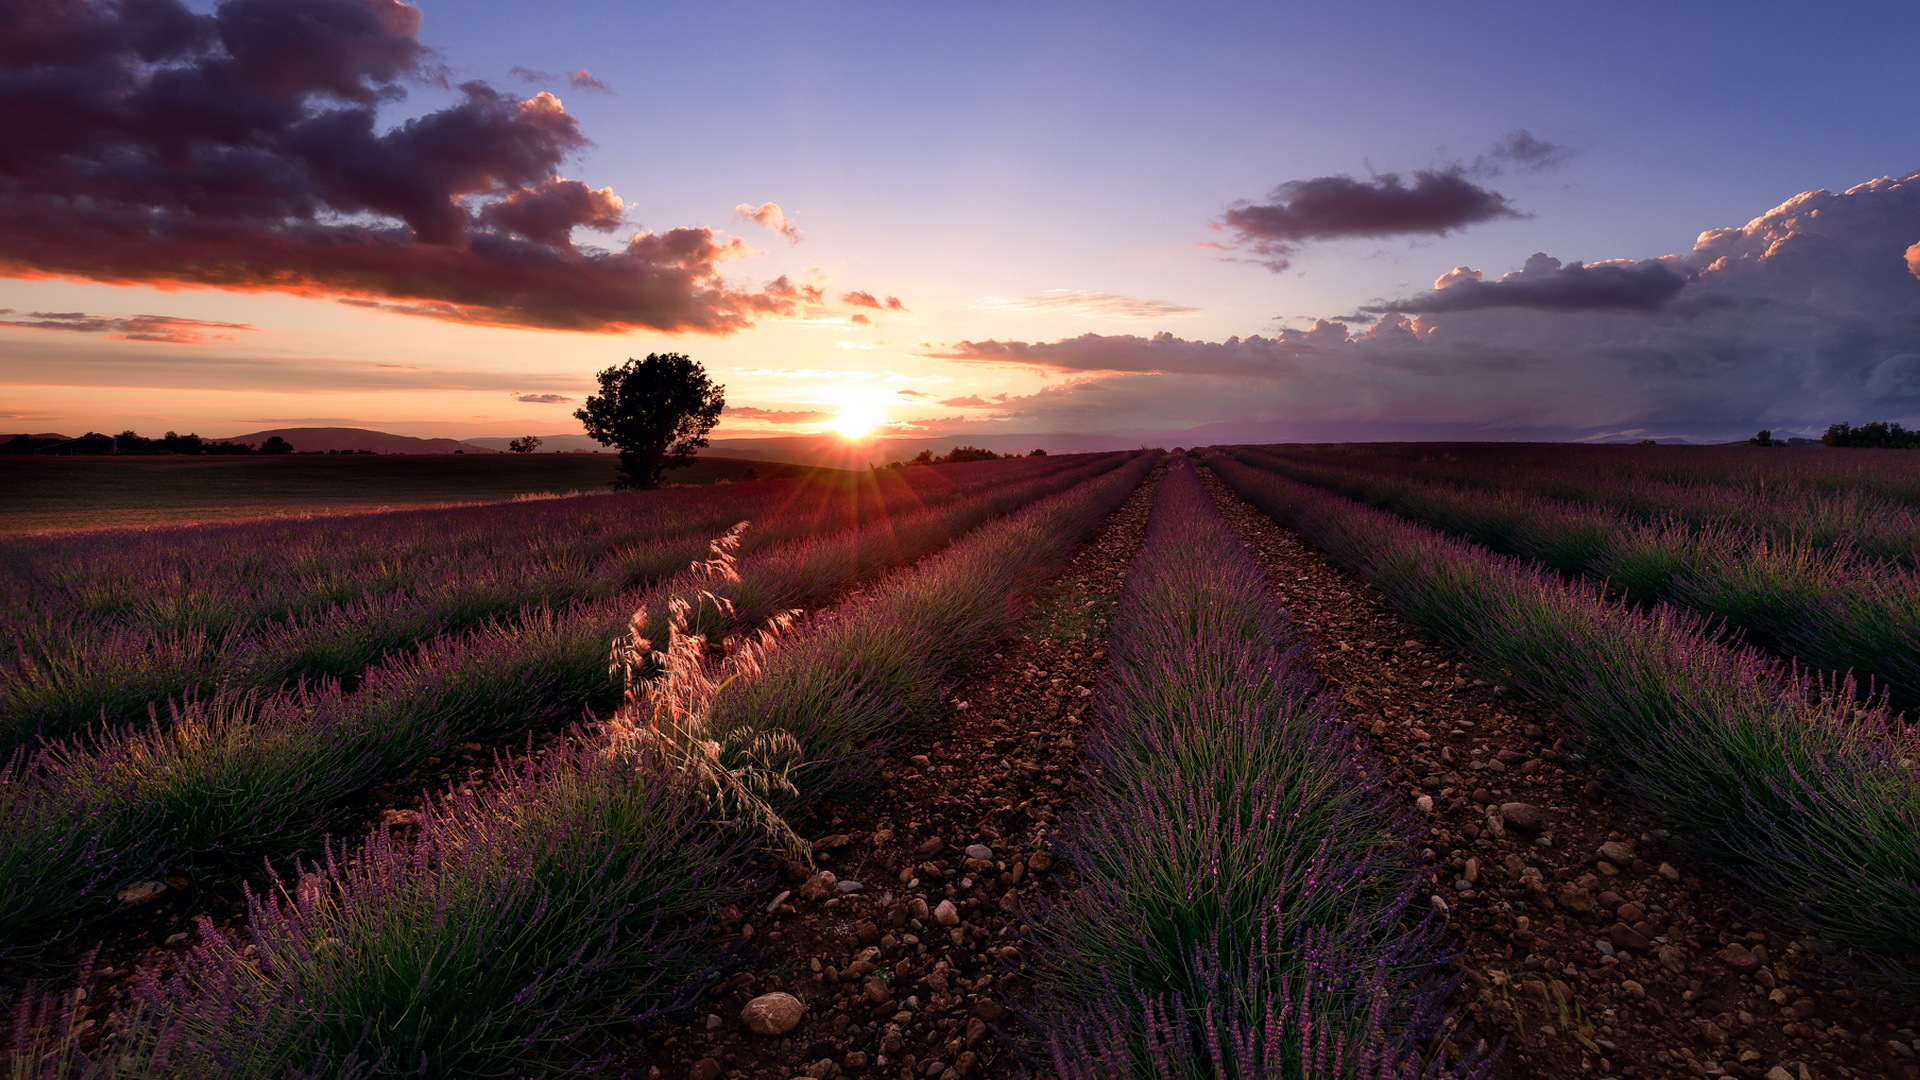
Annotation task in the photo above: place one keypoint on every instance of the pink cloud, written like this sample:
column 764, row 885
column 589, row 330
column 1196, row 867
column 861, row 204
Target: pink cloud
column 861, row 298
column 158, row 328
column 770, row 215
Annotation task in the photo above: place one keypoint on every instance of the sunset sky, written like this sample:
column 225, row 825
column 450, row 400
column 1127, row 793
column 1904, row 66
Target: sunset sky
column 1363, row 220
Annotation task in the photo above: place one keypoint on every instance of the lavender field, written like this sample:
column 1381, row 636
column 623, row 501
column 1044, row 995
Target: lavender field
column 502, row 790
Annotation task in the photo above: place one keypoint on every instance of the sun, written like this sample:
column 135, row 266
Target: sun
column 855, row 423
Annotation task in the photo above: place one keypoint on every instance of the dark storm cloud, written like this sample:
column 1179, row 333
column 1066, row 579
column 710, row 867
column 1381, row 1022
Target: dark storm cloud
column 160, row 328
column 1338, row 207
column 1545, row 285
column 141, row 141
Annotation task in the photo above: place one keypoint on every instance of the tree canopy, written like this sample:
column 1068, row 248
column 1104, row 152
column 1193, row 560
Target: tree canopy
column 656, row 412
column 1878, row 433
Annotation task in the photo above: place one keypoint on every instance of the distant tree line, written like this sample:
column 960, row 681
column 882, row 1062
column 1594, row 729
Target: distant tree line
column 131, row 442
column 956, row 455
column 1879, row 434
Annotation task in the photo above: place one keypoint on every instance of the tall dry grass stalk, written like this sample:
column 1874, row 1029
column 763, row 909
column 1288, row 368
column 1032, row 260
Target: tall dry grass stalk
column 667, row 713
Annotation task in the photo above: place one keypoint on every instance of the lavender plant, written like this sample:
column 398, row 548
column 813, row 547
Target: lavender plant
column 1633, row 477
column 248, row 774
column 60, row 842
column 1245, row 906
column 1876, row 522
column 1826, row 605
column 523, row 914
column 514, row 920
column 1808, row 797
column 118, row 649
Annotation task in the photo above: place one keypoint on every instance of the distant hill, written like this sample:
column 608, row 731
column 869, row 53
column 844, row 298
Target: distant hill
column 353, row 438
column 832, row 451
column 549, row 444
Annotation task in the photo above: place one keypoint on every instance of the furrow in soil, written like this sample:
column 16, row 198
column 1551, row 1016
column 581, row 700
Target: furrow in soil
column 906, row 944
column 1588, row 941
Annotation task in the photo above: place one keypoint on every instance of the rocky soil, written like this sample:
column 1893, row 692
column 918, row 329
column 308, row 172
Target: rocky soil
column 898, row 956
column 1590, row 944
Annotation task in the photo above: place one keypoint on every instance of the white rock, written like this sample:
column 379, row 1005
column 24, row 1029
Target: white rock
column 772, row 1014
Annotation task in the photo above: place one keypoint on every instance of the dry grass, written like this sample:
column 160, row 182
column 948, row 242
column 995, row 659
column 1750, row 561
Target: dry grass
column 668, row 708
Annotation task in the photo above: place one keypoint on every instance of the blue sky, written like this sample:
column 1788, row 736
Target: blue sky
column 961, row 157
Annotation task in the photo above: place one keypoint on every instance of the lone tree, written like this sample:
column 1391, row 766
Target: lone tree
column 525, row 444
column 656, row 412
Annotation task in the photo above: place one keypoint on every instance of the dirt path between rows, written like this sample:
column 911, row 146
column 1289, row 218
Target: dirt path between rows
column 904, row 948
column 1589, row 942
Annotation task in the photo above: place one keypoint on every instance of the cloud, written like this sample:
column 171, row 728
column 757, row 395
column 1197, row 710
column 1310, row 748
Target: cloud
column 96, row 365
column 803, row 373
column 144, row 142
column 547, row 212
column 868, row 300
column 158, row 328
column 543, row 399
column 1262, row 357
column 913, row 393
column 581, row 79
column 770, row 215
column 778, row 416
column 975, row 401
column 1339, row 207
column 1806, row 315
column 1520, row 150
column 1083, row 302
column 1545, row 285
column 1439, row 201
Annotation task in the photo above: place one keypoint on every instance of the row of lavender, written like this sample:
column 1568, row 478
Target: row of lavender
column 219, row 577
column 213, row 576
column 517, row 921
column 1861, row 519
column 334, row 608
column 1247, row 882
column 240, row 775
column 1809, row 800
column 1634, row 474
column 1830, row 607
